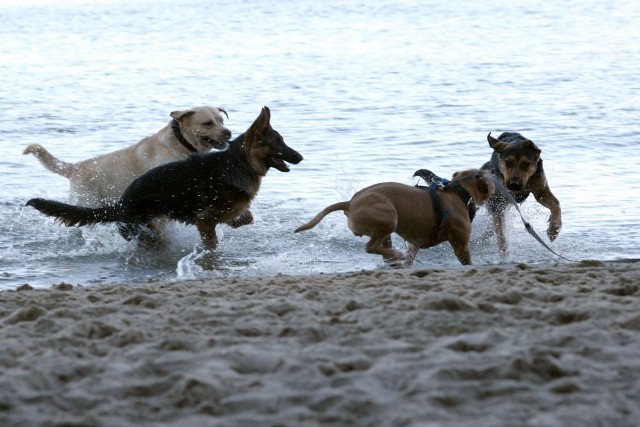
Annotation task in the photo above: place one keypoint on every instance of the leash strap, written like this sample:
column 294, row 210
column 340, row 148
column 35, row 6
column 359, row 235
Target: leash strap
column 527, row 226
column 176, row 131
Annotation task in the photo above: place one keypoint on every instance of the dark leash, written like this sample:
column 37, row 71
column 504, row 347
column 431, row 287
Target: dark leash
column 507, row 195
column 434, row 179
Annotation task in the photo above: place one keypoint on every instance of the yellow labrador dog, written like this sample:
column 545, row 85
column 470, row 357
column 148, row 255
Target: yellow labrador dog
column 101, row 180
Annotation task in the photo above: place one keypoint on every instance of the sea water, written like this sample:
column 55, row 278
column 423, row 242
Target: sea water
column 366, row 91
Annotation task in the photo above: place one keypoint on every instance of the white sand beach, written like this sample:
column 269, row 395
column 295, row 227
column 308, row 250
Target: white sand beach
column 505, row 345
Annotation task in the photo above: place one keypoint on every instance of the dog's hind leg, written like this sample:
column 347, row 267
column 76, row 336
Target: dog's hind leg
column 412, row 251
column 381, row 245
column 147, row 234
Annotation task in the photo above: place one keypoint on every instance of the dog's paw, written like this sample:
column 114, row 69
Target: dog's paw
column 244, row 219
column 554, row 228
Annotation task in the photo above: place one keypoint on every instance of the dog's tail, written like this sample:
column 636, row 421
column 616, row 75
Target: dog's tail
column 340, row 206
column 52, row 163
column 71, row 215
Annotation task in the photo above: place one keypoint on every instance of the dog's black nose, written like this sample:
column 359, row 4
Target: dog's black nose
column 226, row 133
column 513, row 186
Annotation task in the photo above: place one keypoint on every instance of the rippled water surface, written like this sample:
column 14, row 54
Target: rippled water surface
column 366, row 91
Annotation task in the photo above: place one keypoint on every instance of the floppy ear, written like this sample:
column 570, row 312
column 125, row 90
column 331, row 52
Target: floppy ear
column 529, row 144
column 481, row 183
column 179, row 115
column 222, row 110
column 496, row 144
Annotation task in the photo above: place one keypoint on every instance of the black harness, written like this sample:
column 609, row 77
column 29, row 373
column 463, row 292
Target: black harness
column 466, row 198
column 436, row 202
column 176, row 131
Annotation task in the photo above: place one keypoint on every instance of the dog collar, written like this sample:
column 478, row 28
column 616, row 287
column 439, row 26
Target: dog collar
column 176, row 131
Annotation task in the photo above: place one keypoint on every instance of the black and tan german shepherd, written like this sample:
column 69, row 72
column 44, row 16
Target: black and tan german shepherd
column 517, row 164
column 204, row 189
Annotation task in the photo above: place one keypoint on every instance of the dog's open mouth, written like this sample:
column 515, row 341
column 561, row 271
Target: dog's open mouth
column 214, row 143
column 278, row 162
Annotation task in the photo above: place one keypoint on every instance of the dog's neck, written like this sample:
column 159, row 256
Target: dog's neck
column 465, row 196
column 176, row 131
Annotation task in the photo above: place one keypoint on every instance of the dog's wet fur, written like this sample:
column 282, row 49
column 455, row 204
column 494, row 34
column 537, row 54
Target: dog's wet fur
column 101, row 180
column 389, row 207
column 203, row 189
column 516, row 162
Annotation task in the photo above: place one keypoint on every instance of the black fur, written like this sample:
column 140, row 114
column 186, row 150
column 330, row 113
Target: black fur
column 498, row 203
column 218, row 185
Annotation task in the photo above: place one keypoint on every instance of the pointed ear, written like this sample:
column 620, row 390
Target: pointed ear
column 496, row 144
column 529, row 144
column 263, row 119
column 266, row 113
column 179, row 115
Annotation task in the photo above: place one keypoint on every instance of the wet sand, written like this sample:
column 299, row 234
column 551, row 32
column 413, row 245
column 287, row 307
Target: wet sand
column 507, row 345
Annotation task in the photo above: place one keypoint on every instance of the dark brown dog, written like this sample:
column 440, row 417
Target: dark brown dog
column 382, row 209
column 516, row 162
column 204, row 189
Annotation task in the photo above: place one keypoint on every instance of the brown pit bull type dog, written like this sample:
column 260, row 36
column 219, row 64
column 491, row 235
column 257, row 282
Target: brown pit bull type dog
column 204, row 189
column 422, row 217
column 517, row 164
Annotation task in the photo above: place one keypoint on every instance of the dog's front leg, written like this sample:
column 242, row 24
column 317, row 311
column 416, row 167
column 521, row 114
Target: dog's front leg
column 549, row 201
column 244, row 218
column 462, row 252
column 207, row 229
column 498, row 226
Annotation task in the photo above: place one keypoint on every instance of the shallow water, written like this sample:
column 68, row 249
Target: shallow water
column 366, row 92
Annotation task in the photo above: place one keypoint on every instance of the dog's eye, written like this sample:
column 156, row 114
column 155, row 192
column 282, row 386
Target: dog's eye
column 208, row 123
column 525, row 166
column 508, row 164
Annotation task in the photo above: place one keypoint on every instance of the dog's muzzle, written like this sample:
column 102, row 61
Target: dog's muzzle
column 217, row 144
column 214, row 143
column 514, row 185
column 288, row 155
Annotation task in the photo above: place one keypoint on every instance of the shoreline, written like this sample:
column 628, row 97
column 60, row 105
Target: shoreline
column 552, row 344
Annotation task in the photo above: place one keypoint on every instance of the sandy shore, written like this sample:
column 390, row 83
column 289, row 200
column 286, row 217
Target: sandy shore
column 516, row 345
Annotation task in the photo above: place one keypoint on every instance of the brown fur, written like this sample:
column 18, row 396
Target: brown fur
column 516, row 161
column 382, row 209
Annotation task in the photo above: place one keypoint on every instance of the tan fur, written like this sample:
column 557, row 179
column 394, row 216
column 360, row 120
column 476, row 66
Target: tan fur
column 382, row 209
column 518, row 163
column 102, row 179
